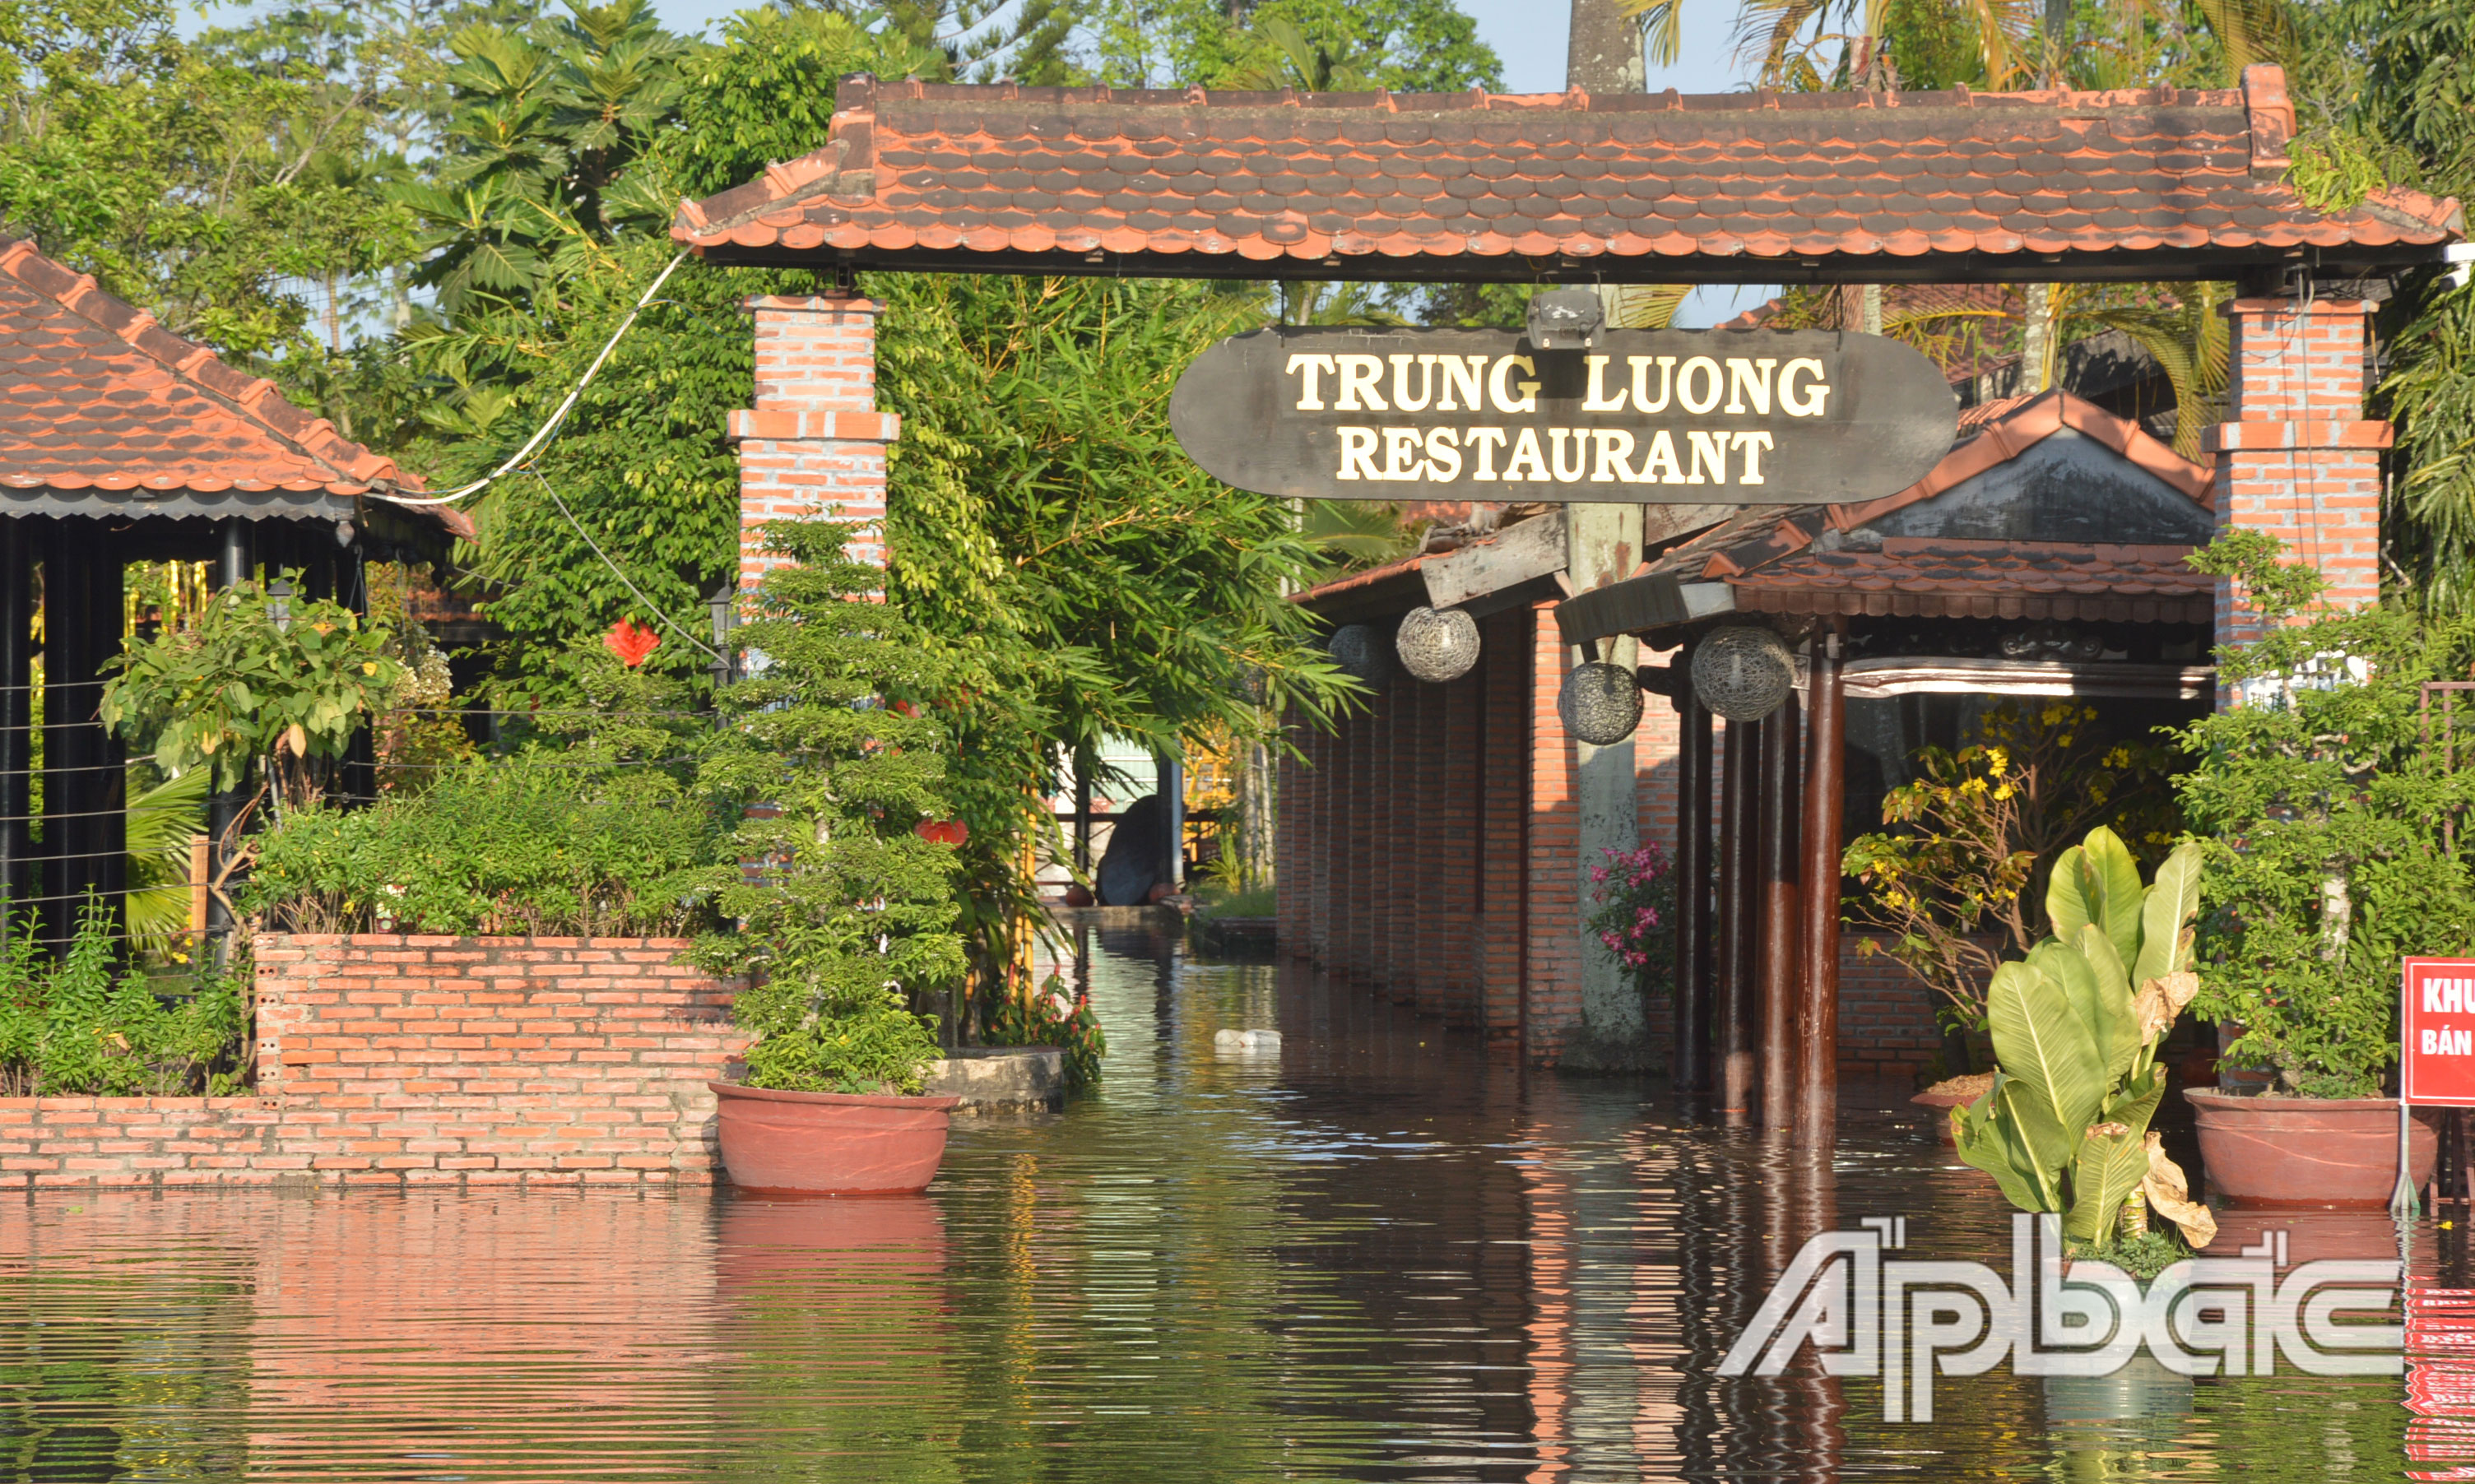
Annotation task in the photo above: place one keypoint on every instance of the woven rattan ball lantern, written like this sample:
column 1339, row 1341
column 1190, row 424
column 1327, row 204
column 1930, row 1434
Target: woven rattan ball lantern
column 1599, row 704
column 1359, row 651
column 1743, row 674
column 1438, row 645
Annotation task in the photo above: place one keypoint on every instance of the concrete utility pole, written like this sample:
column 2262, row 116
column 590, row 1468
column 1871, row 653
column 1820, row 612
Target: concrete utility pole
column 1604, row 55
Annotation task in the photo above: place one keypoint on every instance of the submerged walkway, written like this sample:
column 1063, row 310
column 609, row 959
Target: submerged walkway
column 1375, row 1255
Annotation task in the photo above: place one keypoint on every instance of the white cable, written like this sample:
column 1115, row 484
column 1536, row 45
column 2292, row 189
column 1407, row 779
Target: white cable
column 621, row 572
column 556, row 418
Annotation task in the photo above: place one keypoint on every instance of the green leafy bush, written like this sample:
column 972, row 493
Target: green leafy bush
column 847, row 913
column 2076, row 1029
column 2327, row 822
column 72, row 1027
column 535, row 843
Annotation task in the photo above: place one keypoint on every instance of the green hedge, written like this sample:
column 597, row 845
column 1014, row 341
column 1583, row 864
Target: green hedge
column 522, row 845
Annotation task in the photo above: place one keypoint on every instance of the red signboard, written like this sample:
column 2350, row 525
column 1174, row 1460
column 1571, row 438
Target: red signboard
column 2438, row 1060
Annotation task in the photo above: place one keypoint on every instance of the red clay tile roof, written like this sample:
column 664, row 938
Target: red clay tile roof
column 95, row 396
column 1775, row 562
column 2015, row 424
column 1935, row 578
column 1755, row 187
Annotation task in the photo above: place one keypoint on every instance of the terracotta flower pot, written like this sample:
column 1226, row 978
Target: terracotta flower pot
column 829, row 1143
column 2336, row 1154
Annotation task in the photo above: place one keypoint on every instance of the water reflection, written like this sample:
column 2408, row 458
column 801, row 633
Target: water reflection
column 1378, row 1255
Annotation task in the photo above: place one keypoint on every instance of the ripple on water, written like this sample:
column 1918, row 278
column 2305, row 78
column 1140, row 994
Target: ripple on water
column 1375, row 1255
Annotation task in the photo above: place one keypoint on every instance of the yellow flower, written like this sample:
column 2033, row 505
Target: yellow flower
column 369, row 667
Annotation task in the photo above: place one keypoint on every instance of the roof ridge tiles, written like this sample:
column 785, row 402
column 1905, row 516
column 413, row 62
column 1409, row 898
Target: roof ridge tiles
column 2163, row 180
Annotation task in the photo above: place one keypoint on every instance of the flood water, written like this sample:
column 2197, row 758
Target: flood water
column 1374, row 1256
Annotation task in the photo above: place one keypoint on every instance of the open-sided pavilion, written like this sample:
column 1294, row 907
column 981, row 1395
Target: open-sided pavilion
column 1440, row 843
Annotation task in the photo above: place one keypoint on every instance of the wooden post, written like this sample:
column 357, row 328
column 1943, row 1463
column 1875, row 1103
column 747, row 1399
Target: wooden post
column 1778, row 956
column 1690, row 1063
column 201, row 876
column 1732, row 1016
column 16, row 704
column 1825, row 793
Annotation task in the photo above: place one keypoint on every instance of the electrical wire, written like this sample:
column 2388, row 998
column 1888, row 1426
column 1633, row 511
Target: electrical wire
column 658, row 616
column 564, row 408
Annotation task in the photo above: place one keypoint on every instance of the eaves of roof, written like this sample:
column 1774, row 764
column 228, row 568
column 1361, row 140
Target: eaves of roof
column 1761, row 187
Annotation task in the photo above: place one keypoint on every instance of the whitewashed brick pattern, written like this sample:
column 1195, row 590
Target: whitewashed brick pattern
column 815, row 443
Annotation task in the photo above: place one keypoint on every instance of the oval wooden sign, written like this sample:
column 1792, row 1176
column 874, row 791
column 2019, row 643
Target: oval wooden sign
column 1674, row 415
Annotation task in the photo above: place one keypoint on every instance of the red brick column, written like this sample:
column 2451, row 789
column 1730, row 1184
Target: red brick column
column 1408, row 920
column 1318, row 845
column 1554, row 977
column 1384, row 846
column 814, row 443
column 1461, row 848
column 1656, row 744
column 1288, row 934
column 2299, row 461
column 1352, row 898
column 1506, row 665
column 1425, row 962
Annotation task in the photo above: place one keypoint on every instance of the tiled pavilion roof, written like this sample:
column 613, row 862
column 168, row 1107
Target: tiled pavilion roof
column 104, row 411
column 1759, row 186
column 1791, row 561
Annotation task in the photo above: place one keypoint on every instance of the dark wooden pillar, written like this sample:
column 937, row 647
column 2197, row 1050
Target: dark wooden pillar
column 1779, row 952
column 1733, row 1022
column 1825, row 793
column 85, row 832
column 235, row 563
column 16, row 705
column 1691, row 1064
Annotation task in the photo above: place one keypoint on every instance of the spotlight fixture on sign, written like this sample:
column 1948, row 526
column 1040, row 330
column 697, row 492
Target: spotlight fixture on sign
column 1600, row 703
column 1743, row 672
column 1438, row 645
column 1359, row 651
column 1566, row 318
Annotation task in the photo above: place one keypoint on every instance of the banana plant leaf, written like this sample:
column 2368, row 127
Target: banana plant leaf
column 2113, row 1160
column 1986, row 1140
column 2044, row 1048
column 2097, row 882
column 2113, row 1023
column 2173, row 901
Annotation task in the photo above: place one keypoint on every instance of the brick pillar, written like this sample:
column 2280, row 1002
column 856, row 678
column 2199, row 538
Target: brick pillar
column 1552, row 979
column 1504, row 818
column 1427, row 917
column 2299, row 461
column 814, row 443
column 1460, row 847
column 1402, row 923
column 1383, row 847
column 1655, row 744
column 1289, row 934
column 1351, row 898
column 1318, row 846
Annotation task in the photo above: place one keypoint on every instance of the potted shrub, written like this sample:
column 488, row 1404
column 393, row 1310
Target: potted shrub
column 846, row 907
column 2323, row 811
column 2063, row 1124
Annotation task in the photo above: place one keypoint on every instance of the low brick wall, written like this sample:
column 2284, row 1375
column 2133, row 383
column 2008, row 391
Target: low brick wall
column 1886, row 1015
column 395, row 1060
